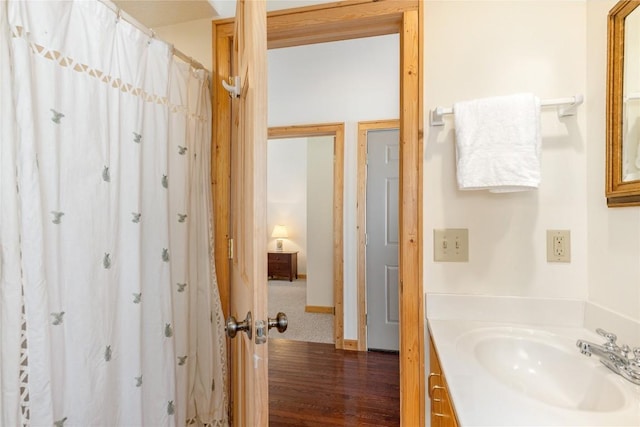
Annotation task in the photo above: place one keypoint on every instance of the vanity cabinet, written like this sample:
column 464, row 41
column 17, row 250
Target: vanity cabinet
column 442, row 412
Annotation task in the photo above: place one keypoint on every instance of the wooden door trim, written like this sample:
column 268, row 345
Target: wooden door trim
column 329, row 22
column 361, row 221
column 221, row 164
column 412, row 320
column 341, row 21
column 337, row 131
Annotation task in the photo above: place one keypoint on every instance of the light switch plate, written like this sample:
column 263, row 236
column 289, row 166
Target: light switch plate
column 558, row 245
column 451, row 245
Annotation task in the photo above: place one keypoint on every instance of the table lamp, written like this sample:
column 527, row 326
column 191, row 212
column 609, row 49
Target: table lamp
column 279, row 232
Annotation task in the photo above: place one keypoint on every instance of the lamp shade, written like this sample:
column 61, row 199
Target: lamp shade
column 280, row 232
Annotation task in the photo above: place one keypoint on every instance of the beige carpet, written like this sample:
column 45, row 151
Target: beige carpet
column 290, row 298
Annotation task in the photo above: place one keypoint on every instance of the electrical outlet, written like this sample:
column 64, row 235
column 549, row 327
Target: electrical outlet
column 558, row 245
column 451, row 245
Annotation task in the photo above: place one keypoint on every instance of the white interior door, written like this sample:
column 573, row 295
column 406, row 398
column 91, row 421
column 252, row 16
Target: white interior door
column 248, row 291
column 383, row 161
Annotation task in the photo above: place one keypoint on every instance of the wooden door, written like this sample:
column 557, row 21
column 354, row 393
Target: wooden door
column 248, row 290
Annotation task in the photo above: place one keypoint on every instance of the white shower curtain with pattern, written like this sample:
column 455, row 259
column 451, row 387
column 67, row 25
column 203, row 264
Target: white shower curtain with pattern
column 109, row 311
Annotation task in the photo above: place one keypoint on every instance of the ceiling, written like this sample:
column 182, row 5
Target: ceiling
column 158, row 13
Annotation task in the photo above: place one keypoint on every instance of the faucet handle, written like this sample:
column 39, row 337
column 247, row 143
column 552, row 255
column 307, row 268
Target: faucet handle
column 636, row 360
column 625, row 350
column 611, row 338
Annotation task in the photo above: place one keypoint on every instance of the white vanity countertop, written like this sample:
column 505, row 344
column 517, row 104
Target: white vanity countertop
column 482, row 399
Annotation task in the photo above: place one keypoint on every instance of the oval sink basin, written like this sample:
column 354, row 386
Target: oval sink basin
column 544, row 367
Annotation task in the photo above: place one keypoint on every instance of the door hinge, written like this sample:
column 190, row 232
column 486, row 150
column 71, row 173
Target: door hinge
column 230, row 248
column 366, row 318
column 366, row 239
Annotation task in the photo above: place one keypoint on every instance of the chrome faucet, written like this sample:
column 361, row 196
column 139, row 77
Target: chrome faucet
column 620, row 360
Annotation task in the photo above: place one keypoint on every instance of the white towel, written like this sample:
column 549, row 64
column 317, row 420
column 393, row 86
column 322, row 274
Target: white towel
column 498, row 143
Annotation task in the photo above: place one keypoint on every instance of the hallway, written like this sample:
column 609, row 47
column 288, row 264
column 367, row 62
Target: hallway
column 312, row 384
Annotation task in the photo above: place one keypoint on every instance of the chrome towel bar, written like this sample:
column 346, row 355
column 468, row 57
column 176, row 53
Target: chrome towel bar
column 566, row 107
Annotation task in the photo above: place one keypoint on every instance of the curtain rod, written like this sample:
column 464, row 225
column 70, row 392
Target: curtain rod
column 121, row 14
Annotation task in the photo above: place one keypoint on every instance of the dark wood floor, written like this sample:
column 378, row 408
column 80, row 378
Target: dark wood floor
column 313, row 384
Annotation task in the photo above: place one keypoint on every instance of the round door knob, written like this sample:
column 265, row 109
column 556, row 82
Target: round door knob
column 280, row 322
column 232, row 326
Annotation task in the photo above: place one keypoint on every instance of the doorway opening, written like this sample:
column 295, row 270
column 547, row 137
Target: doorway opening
column 305, row 133
column 342, row 21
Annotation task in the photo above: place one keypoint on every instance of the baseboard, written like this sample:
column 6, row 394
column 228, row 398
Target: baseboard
column 319, row 309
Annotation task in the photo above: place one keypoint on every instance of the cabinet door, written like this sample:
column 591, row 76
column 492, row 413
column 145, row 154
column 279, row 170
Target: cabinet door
column 442, row 413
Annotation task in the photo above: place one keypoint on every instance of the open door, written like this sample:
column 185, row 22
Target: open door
column 247, row 323
column 340, row 20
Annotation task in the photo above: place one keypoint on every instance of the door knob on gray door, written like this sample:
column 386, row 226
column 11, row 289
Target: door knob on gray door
column 232, row 327
column 280, row 322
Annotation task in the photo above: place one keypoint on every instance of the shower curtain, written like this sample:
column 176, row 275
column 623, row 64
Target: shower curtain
column 109, row 311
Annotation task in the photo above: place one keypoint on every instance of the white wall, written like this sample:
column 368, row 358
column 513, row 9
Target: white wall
column 320, row 221
column 192, row 38
column 346, row 81
column 477, row 49
column 553, row 49
column 287, row 194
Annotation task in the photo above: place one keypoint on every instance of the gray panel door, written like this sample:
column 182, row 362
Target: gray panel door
column 383, row 159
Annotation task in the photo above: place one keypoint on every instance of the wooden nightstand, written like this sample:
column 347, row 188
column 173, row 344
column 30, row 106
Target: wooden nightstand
column 283, row 264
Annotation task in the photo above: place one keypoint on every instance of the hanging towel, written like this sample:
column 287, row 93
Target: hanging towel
column 498, row 143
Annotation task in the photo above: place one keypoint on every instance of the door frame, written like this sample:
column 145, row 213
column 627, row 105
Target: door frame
column 361, row 221
column 337, row 131
column 332, row 22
